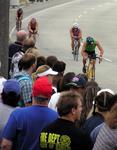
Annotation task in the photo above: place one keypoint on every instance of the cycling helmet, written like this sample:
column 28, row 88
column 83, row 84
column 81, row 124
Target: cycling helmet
column 20, row 10
column 89, row 40
column 75, row 25
column 33, row 20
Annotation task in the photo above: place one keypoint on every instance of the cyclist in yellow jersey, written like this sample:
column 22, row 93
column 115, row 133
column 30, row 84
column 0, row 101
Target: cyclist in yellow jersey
column 88, row 49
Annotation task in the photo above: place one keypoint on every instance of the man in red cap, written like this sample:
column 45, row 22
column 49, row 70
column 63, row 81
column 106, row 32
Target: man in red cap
column 25, row 124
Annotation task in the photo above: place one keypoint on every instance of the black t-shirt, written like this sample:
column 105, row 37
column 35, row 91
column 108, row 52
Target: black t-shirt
column 63, row 135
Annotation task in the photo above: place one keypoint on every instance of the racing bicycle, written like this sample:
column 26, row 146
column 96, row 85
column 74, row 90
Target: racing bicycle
column 90, row 69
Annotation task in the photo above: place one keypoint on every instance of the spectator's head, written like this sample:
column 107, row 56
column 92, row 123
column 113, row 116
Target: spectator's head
column 29, row 43
column 89, row 96
column 78, row 84
column 27, row 62
column 41, row 60
column 65, row 80
column 50, row 61
column 103, row 100
column 59, row 66
column 11, row 92
column 42, row 90
column 111, row 117
column 45, row 70
column 70, row 105
column 33, row 51
column 21, row 36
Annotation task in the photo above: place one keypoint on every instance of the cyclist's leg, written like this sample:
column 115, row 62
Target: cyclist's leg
column 79, row 43
column 84, row 62
column 72, row 45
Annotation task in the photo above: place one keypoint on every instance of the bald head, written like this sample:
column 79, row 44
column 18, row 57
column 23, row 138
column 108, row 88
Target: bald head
column 21, row 36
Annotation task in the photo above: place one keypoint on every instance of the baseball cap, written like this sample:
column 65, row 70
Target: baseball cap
column 105, row 90
column 77, row 81
column 42, row 87
column 45, row 70
column 12, row 85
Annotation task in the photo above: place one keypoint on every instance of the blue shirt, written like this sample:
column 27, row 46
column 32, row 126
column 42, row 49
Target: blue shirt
column 25, row 124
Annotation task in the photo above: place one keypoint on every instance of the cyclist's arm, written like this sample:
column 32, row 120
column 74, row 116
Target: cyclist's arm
column 71, row 34
column 100, row 48
column 29, row 28
column 36, row 30
column 80, row 35
column 83, row 53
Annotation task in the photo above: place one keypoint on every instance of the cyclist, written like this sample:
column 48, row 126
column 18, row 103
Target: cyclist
column 88, row 49
column 75, row 33
column 19, row 17
column 33, row 27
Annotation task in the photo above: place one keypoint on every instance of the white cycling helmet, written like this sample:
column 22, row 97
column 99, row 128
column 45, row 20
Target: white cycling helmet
column 75, row 25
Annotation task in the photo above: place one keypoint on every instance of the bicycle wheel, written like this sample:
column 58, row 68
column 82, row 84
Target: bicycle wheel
column 76, row 53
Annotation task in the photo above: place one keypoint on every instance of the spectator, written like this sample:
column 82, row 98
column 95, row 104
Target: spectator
column 99, row 110
column 41, row 60
column 78, row 84
column 25, row 124
column 63, row 87
column 50, row 61
column 9, row 99
column 34, row 51
column 28, row 43
column 62, row 133
column 107, row 137
column 26, row 67
column 16, row 46
column 59, row 66
column 44, row 70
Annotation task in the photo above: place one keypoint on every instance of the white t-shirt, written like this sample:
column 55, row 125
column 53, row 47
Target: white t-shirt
column 53, row 101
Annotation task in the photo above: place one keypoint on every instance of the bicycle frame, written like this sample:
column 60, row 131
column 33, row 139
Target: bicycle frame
column 76, row 50
column 90, row 71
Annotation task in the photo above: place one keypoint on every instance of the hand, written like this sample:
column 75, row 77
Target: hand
column 100, row 58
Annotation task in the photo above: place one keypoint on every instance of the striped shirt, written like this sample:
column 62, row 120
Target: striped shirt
column 106, row 139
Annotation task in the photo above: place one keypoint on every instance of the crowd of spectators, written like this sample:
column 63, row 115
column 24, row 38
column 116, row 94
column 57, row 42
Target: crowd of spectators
column 44, row 107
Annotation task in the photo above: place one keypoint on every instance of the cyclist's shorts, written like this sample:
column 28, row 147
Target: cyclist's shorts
column 91, row 55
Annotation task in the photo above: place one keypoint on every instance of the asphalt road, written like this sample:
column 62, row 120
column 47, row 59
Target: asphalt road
column 96, row 18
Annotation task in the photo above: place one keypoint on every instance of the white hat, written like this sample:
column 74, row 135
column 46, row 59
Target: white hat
column 45, row 70
column 105, row 90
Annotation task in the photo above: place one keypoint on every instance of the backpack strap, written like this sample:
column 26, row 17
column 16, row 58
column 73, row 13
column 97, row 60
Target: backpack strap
column 23, row 78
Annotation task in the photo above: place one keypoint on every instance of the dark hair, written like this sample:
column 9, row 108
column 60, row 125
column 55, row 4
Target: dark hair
column 103, row 101
column 65, row 80
column 50, row 61
column 59, row 66
column 89, row 96
column 10, row 99
column 26, row 61
column 112, row 102
column 66, row 102
column 41, row 60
